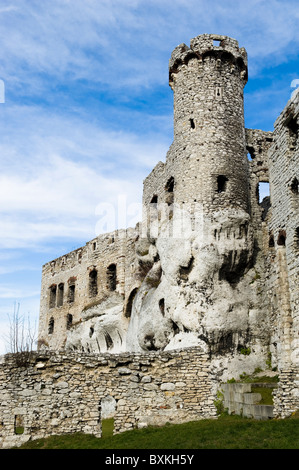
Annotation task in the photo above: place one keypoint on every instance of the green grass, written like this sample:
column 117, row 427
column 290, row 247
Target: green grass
column 227, row 432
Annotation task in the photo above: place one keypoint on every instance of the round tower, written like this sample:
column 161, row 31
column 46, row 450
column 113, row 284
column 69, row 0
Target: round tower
column 208, row 154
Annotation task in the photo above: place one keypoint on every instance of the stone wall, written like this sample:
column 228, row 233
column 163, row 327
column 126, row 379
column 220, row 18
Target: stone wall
column 283, row 233
column 59, row 393
column 78, row 282
column 286, row 396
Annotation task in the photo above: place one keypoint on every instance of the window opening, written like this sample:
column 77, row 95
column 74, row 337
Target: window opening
column 170, row 185
column 60, row 295
column 293, row 131
column 192, row 123
column 71, row 294
column 93, row 283
column 263, row 191
column 271, row 241
column 91, row 331
column 154, row 199
column 111, row 277
column 221, row 183
column 281, row 241
column 297, row 237
column 169, row 189
column 51, row 326
column 294, row 186
column 216, row 42
column 162, row 306
column 52, row 302
column 250, row 153
column 129, row 306
column 69, row 321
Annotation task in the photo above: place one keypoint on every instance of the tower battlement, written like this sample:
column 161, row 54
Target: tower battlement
column 222, row 48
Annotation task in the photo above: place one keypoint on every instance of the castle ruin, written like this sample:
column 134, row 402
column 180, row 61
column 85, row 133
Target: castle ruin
column 210, row 272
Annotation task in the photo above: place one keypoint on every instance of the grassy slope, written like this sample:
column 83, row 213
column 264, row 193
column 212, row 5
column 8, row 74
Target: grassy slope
column 227, row 432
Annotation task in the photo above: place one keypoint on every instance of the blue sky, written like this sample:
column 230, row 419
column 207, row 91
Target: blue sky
column 88, row 113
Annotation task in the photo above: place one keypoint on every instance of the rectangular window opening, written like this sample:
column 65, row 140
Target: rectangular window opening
column 19, row 424
column 263, row 191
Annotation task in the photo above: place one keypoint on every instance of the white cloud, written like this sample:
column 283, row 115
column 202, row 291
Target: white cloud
column 51, row 184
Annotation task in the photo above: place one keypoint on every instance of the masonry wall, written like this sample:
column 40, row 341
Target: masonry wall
column 58, row 393
column 284, row 234
column 81, row 279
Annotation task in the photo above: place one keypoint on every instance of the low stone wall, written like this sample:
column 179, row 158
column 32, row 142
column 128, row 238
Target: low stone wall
column 59, row 393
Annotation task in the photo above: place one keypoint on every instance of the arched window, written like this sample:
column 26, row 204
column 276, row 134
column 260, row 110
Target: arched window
column 51, row 326
column 129, row 305
column 281, row 241
column 111, row 277
column 170, row 185
column 93, row 283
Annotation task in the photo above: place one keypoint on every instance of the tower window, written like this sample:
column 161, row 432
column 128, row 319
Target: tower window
column 52, row 301
column 250, row 153
column 93, row 283
column 51, row 326
column 216, row 42
column 111, row 277
column 60, row 295
column 281, row 241
column 192, row 123
column 154, row 199
column 271, row 241
column 221, row 183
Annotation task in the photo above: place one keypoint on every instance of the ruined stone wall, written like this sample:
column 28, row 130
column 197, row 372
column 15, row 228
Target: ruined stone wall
column 283, row 236
column 79, row 281
column 59, row 393
column 286, row 396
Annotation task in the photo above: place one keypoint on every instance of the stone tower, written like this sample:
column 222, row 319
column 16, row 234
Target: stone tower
column 196, row 290
column 207, row 79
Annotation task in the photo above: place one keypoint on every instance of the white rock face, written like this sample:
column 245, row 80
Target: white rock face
column 103, row 328
column 198, row 292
